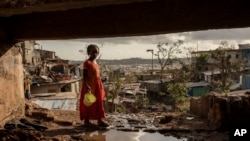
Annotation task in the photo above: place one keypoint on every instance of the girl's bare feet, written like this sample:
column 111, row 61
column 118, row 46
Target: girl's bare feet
column 103, row 123
column 87, row 123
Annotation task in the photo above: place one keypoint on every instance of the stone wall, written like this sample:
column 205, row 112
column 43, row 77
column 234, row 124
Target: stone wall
column 11, row 83
column 223, row 111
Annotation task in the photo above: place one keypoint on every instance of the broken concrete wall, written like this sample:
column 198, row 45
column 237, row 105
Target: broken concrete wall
column 11, row 83
column 221, row 110
column 200, row 105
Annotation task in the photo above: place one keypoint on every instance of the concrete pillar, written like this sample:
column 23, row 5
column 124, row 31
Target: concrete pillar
column 12, row 102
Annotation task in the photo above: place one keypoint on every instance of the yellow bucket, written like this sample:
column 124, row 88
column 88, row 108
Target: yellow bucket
column 89, row 99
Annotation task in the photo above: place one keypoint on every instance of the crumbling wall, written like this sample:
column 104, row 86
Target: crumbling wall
column 11, row 83
column 221, row 110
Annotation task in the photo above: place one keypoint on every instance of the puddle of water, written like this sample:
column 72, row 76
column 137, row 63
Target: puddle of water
column 110, row 135
column 114, row 135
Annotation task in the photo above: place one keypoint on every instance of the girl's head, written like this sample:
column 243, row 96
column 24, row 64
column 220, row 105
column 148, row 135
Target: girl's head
column 93, row 51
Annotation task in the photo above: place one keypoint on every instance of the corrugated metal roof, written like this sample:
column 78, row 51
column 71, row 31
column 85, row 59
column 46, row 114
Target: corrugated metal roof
column 197, row 84
column 211, row 72
column 128, row 91
column 128, row 100
column 235, row 86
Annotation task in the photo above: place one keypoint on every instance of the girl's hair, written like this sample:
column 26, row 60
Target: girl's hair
column 90, row 47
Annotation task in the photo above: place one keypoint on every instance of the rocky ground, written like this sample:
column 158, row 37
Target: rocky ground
column 43, row 124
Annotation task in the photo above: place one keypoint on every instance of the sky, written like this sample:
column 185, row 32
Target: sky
column 136, row 46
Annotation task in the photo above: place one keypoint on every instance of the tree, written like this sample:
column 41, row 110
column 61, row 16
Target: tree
column 186, row 73
column 199, row 66
column 178, row 92
column 113, row 85
column 180, row 75
column 223, row 62
column 226, row 66
column 224, row 45
column 188, row 54
column 113, row 89
column 166, row 54
column 130, row 78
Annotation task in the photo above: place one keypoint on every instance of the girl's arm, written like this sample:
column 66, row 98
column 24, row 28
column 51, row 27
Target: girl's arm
column 85, row 78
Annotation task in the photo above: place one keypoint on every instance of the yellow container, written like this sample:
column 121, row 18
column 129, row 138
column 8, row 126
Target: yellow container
column 89, row 99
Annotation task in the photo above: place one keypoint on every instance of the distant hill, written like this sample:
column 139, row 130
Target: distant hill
column 130, row 61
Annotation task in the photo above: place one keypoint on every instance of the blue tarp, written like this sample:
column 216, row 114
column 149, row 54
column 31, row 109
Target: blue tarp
column 62, row 104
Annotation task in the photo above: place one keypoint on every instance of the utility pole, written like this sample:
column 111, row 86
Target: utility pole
column 152, row 51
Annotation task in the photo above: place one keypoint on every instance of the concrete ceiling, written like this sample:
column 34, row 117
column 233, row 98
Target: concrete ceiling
column 17, row 7
column 65, row 19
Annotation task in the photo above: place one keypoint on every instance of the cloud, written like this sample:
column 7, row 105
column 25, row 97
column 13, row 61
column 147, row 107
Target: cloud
column 211, row 35
column 152, row 39
column 222, row 34
column 135, row 46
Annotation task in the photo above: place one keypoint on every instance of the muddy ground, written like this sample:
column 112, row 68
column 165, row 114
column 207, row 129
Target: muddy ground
column 52, row 125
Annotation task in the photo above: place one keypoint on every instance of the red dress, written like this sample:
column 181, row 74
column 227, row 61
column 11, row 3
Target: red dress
column 96, row 110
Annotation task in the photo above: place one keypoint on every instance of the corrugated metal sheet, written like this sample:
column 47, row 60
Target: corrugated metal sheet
column 234, row 86
column 198, row 91
column 198, row 88
column 197, row 84
column 211, row 72
column 62, row 104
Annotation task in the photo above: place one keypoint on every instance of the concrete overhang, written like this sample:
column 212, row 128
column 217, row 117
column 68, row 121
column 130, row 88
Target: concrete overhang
column 67, row 19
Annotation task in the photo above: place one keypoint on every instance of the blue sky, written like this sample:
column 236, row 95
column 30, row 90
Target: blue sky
column 136, row 46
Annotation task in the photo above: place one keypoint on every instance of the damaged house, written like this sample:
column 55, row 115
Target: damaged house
column 48, row 73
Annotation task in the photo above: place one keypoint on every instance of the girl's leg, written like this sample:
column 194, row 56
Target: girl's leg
column 86, row 121
column 102, row 123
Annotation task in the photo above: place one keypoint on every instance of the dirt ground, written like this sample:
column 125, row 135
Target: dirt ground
column 65, row 125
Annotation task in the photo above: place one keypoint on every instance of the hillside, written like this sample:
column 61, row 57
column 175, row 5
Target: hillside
column 130, row 61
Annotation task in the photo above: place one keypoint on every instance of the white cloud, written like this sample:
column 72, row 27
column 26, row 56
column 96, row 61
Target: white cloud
column 128, row 47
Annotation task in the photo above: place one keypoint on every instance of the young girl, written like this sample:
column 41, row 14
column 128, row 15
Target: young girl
column 92, row 83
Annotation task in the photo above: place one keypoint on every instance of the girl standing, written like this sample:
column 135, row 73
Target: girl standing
column 92, row 83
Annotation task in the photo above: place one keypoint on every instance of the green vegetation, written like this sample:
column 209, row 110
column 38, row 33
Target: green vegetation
column 178, row 92
column 227, row 67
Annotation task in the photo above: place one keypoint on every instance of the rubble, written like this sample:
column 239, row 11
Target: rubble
column 221, row 110
column 44, row 124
